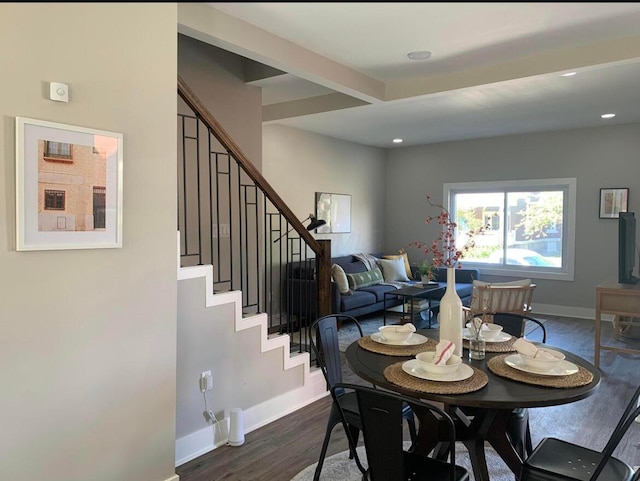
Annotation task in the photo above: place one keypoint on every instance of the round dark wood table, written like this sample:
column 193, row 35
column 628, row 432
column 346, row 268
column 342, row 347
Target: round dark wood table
column 491, row 405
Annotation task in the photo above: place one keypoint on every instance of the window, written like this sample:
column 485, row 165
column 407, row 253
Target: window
column 529, row 226
column 54, row 199
column 57, row 150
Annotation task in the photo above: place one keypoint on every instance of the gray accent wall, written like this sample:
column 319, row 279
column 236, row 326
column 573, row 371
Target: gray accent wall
column 600, row 157
column 298, row 164
column 88, row 337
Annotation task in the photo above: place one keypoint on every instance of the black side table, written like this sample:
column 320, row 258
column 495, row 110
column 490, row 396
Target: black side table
column 412, row 293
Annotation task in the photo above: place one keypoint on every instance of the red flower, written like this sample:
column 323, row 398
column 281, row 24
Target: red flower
column 443, row 249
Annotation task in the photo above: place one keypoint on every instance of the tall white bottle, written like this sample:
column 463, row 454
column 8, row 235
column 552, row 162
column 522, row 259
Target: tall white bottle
column 451, row 317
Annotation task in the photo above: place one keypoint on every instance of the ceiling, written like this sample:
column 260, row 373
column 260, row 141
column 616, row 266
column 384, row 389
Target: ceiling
column 341, row 69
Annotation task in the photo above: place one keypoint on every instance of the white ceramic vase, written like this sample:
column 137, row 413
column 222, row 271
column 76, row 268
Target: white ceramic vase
column 451, row 317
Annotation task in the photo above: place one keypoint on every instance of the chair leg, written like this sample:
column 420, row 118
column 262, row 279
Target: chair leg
column 353, row 438
column 323, row 452
column 528, row 443
column 355, row 433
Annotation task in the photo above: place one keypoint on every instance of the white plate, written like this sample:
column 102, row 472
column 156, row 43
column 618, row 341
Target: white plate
column 565, row 367
column 413, row 368
column 412, row 341
column 502, row 337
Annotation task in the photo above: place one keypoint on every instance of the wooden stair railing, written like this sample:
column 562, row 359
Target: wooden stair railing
column 253, row 213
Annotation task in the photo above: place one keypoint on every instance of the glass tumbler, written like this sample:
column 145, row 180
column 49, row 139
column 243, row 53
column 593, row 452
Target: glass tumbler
column 477, row 347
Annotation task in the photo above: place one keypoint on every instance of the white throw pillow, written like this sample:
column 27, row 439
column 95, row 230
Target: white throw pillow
column 393, row 269
column 339, row 276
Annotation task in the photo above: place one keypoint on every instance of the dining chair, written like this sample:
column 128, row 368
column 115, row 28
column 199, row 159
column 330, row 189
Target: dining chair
column 381, row 413
column 501, row 297
column 558, row 460
column 327, row 352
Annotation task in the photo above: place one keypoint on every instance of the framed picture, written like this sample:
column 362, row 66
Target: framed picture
column 612, row 202
column 68, row 187
column 335, row 209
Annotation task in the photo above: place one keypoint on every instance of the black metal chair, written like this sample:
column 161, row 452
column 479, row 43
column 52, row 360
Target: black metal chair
column 327, row 352
column 557, row 460
column 381, row 413
column 518, row 427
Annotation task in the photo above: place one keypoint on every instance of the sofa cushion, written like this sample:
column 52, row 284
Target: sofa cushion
column 340, row 278
column 364, row 279
column 358, row 299
column 405, row 258
column 393, row 269
column 378, row 290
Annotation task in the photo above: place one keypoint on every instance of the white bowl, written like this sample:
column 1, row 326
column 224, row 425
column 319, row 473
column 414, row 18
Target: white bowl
column 392, row 334
column 426, row 362
column 543, row 364
column 490, row 331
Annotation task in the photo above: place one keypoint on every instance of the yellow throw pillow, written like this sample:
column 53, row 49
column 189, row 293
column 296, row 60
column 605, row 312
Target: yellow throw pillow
column 407, row 267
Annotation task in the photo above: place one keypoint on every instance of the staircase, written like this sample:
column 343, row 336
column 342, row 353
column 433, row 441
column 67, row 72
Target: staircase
column 236, row 238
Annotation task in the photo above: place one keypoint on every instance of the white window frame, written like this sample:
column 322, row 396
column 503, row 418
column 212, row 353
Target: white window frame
column 564, row 273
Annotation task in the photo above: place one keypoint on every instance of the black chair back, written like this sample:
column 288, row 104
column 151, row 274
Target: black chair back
column 381, row 414
column 323, row 337
column 515, row 323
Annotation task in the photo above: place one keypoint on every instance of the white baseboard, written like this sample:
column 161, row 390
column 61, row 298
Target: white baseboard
column 175, row 477
column 202, row 441
column 568, row 311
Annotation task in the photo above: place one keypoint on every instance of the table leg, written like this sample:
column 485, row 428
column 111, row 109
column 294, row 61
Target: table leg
column 497, row 437
column 484, row 425
column 384, row 309
column 596, row 350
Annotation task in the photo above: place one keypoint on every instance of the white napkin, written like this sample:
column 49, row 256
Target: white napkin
column 530, row 350
column 444, row 350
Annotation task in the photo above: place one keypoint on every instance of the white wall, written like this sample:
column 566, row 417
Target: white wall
column 298, row 164
column 88, row 337
column 597, row 157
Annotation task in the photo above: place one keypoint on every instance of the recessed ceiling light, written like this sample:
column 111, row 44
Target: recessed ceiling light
column 419, row 55
column 608, row 116
column 568, row 74
column 397, row 141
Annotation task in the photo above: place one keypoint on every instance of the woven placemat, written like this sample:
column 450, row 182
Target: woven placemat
column 497, row 366
column 505, row 346
column 406, row 350
column 396, row 375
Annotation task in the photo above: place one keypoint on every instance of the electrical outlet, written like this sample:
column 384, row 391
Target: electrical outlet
column 206, row 381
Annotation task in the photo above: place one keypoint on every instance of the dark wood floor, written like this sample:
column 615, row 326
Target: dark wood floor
column 278, row 451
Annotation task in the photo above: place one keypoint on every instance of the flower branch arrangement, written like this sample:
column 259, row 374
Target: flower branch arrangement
column 443, row 250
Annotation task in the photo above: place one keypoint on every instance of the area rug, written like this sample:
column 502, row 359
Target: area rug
column 340, row 468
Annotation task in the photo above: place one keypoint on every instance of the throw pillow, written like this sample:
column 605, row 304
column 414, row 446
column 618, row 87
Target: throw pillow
column 365, row 279
column 337, row 272
column 393, row 269
column 405, row 257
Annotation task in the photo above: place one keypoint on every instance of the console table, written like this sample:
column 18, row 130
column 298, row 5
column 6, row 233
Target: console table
column 619, row 300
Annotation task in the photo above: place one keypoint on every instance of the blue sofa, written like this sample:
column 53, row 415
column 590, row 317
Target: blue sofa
column 301, row 289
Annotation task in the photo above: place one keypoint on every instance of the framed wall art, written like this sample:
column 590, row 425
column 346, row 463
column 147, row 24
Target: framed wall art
column 335, row 209
column 612, row 202
column 68, row 187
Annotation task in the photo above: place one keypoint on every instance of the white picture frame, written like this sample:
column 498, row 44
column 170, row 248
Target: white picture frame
column 335, row 209
column 68, row 186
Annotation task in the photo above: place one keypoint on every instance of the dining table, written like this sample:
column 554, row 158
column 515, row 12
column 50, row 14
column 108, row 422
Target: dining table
column 480, row 398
